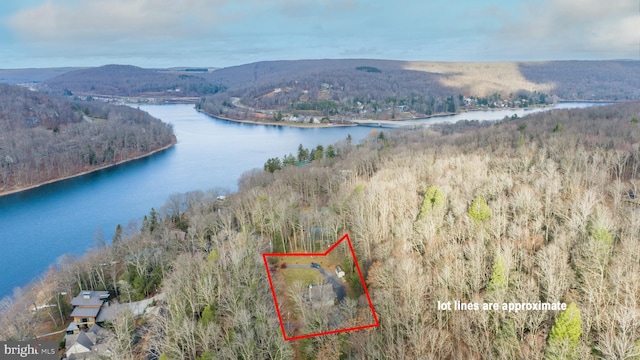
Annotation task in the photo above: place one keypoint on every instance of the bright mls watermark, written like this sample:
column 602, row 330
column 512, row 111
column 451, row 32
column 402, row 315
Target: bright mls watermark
column 44, row 350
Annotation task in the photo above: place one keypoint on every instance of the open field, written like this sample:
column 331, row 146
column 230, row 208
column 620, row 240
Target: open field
column 481, row 79
column 304, row 276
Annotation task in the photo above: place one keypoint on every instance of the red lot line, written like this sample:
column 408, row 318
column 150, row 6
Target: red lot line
column 364, row 287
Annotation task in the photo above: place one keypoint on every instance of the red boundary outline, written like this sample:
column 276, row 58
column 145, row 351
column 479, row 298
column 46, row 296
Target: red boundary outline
column 364, row 287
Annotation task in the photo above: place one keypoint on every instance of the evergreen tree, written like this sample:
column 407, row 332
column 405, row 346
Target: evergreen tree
column 330, row 152
column 565, row 334
column 117, row 236
column 153, row 219
column 288, row 160
column 433, row 198
column 208, row 315
column 318, row 153
column 272, row 164
column 558, row 128
column 601, row 234
column 303, row 154
column 499, row 276
column 479, row 210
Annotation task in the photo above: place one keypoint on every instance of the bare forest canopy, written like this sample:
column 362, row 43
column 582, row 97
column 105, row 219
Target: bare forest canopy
column 538, row 209
column 44, row 137
column 127, row 80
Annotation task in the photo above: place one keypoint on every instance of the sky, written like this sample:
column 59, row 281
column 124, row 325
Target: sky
column 220, row 33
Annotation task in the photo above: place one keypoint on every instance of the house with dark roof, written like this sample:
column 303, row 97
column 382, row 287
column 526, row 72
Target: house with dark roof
column 78, row 346
column 87, row 345
column 320, row 296
column 87, row 306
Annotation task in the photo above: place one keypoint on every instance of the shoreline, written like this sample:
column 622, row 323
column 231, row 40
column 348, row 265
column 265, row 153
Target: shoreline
column 399, row 121
column 31, row 187
column 359, row 122
column 271, row 123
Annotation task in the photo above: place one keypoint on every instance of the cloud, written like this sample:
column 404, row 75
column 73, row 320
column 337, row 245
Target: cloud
column 586, row 28
column 96, row 20
column 250, row 30
column 79, row 20
column 184, row 29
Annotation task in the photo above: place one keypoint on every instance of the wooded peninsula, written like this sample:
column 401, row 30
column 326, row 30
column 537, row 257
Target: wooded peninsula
column 48, row 137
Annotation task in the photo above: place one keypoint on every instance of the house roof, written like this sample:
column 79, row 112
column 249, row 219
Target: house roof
column 80, row 344
column 108, row 313
column 96, row 329
column 322, row 293
column 85, row 312
column 95, row 298
column 72, row 327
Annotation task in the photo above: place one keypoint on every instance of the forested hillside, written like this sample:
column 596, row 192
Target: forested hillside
column 33, row 75
column 127, row 80
column 383, row 90
column 539, row 209
column 341, row 90
column 587, row 80
column 48, row 137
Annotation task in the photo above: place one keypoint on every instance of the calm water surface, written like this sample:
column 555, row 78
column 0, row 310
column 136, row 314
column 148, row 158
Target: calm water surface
column 39, row 225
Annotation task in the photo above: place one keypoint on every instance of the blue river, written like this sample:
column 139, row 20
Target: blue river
column 39, row 225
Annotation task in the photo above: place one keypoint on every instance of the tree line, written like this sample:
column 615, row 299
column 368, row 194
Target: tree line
column 304, row 156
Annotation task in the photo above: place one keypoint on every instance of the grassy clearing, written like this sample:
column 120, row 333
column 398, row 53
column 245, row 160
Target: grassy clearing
column 324, row 261
column 481, row 79
column 305, row 276
column 302, row 260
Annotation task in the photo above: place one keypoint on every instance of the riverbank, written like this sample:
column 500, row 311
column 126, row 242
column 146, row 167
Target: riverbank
column 398, row 120
column 274, row 123
column 30, row 187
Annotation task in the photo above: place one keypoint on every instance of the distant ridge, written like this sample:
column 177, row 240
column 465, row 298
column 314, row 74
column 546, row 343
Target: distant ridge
column 570, row 80
column 33, row 75
column 129, row 80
